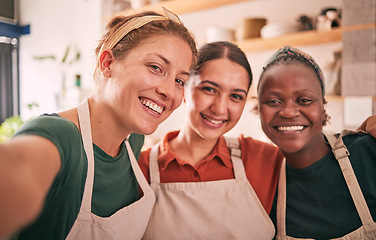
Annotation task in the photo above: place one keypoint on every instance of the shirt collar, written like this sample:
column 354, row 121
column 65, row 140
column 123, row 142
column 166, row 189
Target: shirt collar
column 167, row 155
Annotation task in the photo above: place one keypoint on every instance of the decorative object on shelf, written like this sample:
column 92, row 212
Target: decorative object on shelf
column 305, row 23
column 77, row 83
column 332, row 73
column 214, row 34
column 328, row 19
column 249, row 28
column 278, row 29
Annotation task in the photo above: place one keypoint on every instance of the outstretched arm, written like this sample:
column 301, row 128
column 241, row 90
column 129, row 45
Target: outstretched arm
column 28, row 166
column 369, row 125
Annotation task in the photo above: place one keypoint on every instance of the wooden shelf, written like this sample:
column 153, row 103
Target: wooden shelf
column 256, row 44
column 299, row 38
column 183, row 6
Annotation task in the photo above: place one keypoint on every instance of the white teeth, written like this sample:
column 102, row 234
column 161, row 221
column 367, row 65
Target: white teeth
column 290, row 128
column 152, row 106
column 213, row 121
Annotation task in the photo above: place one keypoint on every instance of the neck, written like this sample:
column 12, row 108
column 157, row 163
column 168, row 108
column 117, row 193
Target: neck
column 306, row 157
column 106, row 133
column 191, row 147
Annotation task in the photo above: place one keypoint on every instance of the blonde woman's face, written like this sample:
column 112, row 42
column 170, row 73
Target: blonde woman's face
column 145, row 87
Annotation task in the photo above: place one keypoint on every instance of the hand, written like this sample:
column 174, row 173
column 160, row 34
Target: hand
column 369, row 125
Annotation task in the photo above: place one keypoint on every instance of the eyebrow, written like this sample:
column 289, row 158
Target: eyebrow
column 217, row 85
column 168, row 62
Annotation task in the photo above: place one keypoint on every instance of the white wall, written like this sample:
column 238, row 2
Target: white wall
column 53, row 26
column 79, row 23
column 281, row 11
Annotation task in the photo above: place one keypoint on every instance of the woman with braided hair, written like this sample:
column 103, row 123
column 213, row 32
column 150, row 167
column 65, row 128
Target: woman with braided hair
column 327, row 187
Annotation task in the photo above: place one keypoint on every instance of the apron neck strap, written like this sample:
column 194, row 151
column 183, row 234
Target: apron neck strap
column 235, row 152
column 136, row 169
column 85, row 128
column 341, row 154
column 281, row 201
column 153, row 162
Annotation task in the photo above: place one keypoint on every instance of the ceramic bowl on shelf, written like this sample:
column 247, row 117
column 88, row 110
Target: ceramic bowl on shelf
column 278, row 29
column 214, row 34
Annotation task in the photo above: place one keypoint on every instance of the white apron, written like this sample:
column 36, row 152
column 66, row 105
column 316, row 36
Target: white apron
column 224, row 209
column 367, row 230
column 127, row 223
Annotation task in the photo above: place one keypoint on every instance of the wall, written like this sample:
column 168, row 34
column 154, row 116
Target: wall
column 55, row 25
column 281, row 11
column 79, row 23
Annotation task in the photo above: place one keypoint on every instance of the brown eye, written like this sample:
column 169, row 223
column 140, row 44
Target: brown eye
column 237, row 97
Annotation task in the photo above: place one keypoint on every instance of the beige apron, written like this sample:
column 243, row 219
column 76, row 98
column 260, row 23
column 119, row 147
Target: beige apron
column 224, row 209
column 127, row 223
column 367, row 230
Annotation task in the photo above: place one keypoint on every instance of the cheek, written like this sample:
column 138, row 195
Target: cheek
column 316, row 115
column 264, row 113
column 236, row 110
column 178, row 98
column 198, row 100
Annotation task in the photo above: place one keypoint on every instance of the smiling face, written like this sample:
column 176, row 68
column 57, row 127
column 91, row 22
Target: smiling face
column 291, row 107
column 142, row 89
column 216, row 97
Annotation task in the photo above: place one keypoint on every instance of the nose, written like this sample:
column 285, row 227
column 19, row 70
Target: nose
column 167, row 88
column 289, row 110
column 219, row 105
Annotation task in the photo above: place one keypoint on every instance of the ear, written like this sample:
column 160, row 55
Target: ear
column 105, row 61
column 324, row 116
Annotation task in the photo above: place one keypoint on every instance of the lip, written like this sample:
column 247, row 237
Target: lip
column 212, row 122
column 152, row 106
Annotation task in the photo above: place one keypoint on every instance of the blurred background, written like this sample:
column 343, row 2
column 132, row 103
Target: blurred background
column 47, row 51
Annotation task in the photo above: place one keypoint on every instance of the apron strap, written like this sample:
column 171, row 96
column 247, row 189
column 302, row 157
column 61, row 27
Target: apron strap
column 235, row 152
column 153, row 165
column 136, row 169
column 341, row 154
column 85, row 128
column 281, row 201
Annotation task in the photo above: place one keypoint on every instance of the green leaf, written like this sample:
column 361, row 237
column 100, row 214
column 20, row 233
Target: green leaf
column 65, row 55
column 45, row 57
column 9, row 127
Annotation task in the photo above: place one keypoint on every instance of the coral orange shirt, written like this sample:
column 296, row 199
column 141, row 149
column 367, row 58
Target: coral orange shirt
column 262, row 162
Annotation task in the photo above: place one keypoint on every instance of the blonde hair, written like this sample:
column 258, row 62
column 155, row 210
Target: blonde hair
column 134, row 29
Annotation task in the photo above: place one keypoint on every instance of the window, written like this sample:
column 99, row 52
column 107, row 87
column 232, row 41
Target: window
column 9, row 93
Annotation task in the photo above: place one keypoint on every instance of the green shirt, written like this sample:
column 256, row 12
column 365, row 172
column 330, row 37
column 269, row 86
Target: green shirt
column 115, row 185
column 319, row 204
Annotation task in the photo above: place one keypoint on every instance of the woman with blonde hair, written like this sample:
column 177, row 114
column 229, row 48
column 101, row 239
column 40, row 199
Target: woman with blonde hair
column 73, row 175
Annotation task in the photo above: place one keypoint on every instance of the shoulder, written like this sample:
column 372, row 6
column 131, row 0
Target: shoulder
column 58, row 130
column 360, row 141
column 257, row 151
column 248, row 142
column 63, row 133
column 46, row 125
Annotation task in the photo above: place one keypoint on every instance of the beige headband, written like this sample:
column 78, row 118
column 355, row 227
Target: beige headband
column 135, row 24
